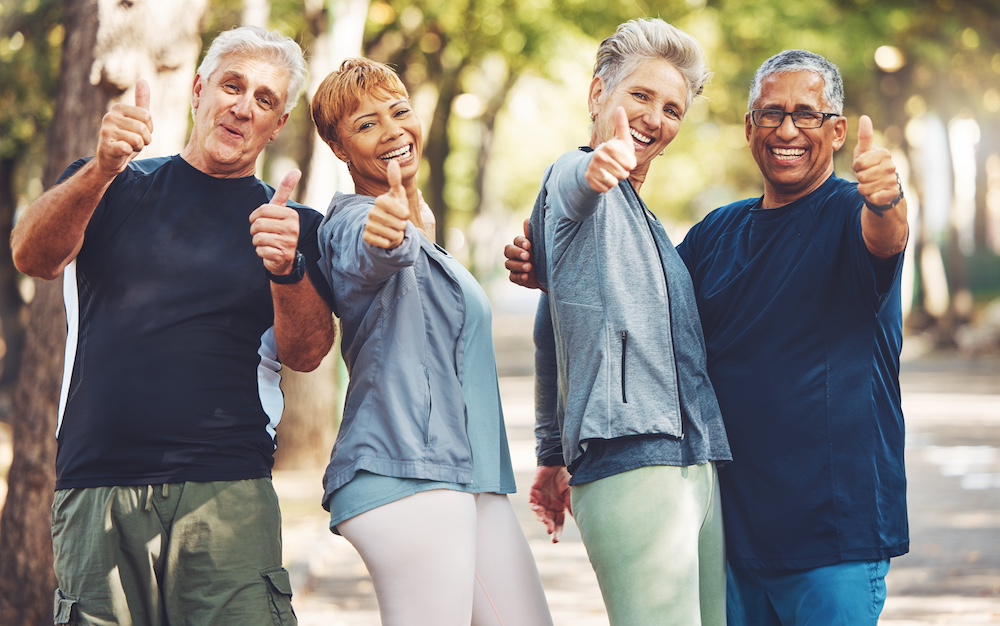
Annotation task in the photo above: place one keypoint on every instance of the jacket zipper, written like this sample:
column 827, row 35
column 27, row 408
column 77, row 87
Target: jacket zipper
column 650, row 218
column 624, row 346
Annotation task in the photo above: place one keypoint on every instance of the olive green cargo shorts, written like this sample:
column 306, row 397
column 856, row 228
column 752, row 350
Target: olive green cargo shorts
column 185, row 553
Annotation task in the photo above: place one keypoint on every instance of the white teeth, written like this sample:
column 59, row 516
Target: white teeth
column 396, row 154
column 787, row 153
column 640, row 137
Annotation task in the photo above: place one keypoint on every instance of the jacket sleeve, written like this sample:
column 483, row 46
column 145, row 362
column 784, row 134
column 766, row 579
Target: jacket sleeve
column 548, row 437
column 344, row 251
column 571, row 195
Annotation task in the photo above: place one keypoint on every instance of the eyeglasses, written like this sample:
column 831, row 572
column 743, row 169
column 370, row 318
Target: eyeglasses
column 772, row 118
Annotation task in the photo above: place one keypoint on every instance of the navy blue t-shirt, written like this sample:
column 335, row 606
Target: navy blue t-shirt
column 171, row 370
column 803, row 330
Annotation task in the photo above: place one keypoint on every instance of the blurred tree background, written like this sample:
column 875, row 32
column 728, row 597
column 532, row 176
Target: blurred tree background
column 501, row 87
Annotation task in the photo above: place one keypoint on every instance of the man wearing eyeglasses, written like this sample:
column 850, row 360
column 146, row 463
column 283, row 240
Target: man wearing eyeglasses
column 799, row 297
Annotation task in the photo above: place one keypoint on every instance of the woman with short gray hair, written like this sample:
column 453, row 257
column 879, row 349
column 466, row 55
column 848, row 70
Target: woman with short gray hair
column 633, row 417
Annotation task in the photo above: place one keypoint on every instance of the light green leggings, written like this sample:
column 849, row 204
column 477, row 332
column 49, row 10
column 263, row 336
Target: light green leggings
column 654, row 536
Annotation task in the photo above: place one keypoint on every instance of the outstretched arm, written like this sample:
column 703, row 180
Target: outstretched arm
column 50, row 233
column 883, row 221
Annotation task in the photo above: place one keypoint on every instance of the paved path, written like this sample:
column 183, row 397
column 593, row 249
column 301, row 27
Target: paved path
column 951, row 576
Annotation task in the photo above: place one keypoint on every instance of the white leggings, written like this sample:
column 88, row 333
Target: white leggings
column 446, row 558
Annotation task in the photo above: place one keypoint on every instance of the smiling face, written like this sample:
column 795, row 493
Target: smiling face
column 654, row 96
column 794, row 161
column 381, row 129
column 238, row 110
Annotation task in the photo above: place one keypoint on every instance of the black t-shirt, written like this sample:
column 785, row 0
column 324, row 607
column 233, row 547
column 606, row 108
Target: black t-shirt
column 171, row 370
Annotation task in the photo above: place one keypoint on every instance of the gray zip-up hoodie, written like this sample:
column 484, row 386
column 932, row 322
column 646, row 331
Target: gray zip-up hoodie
column 629, row 346
column 401, row 313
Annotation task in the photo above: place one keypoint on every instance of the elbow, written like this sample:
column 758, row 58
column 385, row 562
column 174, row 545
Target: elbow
column 302, row 361
column 309, row 359
column 33, row 267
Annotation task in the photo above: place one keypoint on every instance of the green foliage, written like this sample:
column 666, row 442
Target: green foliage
column 30, row 40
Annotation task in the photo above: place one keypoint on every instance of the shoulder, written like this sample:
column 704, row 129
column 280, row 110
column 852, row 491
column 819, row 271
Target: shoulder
column 347, row 213
column 144, row 167
column 345, row 205
column 725, row 216
column 570, row 161
column 837, row 199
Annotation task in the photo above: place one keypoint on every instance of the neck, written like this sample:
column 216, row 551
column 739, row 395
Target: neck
column 777, row 197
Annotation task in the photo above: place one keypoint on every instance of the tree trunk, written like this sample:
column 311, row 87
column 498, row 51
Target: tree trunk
column 11, row 303
column 313, row 400
column 108, row 46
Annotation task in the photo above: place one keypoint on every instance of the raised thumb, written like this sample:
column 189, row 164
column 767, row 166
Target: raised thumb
column 865, row 135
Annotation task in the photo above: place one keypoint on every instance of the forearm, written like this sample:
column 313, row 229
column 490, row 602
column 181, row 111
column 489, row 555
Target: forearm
column 885, row 234
column 303, row 325
column 548, row 437
column 50, row 233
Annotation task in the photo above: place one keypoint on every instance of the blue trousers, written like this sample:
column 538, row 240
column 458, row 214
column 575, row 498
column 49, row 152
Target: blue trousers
column 847, row 593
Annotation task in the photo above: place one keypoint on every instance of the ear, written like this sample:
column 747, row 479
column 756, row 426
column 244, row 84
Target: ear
column 196, row 92
column 280, row 125
column 839, row 133
column 338, row 151
column 748, row 126
column 596, row 91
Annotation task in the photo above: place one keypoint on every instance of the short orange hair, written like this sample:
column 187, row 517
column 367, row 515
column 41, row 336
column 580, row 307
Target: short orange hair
column 341, row 91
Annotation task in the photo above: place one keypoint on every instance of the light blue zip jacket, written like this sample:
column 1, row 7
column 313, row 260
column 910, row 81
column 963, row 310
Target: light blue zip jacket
column 401, row 313
column 628, row 340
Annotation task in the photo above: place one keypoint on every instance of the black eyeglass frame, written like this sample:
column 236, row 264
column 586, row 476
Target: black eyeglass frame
column 796, row 116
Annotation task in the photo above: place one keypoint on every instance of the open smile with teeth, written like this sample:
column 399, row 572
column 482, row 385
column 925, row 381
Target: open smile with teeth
column 787, row 154
column 640, row 138
column 399, row 154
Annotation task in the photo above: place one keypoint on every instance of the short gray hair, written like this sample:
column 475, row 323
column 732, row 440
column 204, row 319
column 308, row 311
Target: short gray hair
column 801, row 61
column 257, row 42
column 638, row 40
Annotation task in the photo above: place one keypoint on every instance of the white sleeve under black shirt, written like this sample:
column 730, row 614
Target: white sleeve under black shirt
column 171, row 371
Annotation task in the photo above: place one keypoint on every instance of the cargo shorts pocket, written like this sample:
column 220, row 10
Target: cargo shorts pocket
column 279, row 592
column 62, row 610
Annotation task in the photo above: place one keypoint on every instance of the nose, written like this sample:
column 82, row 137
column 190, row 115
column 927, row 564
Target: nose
column 651, row 117
column 392, row 130
column 242, row 106
column 787, row 130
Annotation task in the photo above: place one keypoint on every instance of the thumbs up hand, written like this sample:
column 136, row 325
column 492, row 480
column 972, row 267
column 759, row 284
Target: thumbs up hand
column 274, row 228
column 387, row 220
column 874, row 168
column 613, row 160
column 125, row 130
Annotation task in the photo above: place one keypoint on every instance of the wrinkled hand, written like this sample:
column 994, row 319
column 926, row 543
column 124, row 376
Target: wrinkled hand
column 274, row 228
column 387, row 220
column 518, row 261
column 614, row 159
column 549, row 499
column 125, row 130
column 873, row 167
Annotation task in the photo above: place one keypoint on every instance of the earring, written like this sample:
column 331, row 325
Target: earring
column 593, row 116
column 662, row 152
column 348, row 164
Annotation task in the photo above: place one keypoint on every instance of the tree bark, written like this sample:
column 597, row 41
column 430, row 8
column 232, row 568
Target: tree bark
column 11, row 303
column 108, row 45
